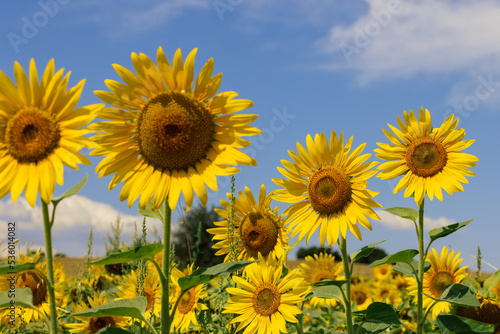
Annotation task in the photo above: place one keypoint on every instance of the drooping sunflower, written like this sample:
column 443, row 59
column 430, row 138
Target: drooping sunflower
column 189, row 304
column 165, row 136
column 327, row 185
column 257, row 227
column 444, row 271
column 91, row 325
column 36, row 283
column 318, row 268
column 264, row 303
column 40, row 131
column 151, row 290
column 429, row 159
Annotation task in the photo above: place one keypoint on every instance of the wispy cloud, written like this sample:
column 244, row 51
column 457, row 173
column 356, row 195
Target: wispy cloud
column 125, row 17
column 403, row 38
column 394, row 222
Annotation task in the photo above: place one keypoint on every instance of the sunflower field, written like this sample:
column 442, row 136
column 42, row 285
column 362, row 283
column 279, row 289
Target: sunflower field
column 164, row 135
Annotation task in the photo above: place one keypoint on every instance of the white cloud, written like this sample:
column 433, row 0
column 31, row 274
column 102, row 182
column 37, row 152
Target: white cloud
column 397, row 38
column 395, row 222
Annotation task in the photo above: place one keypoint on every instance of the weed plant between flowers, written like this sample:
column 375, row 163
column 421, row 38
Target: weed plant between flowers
column 166, row 133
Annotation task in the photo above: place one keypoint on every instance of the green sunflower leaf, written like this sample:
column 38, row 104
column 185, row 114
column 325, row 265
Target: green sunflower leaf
column 18, row 297
column 405, row 256
column 328, row 291
column 147, row 212
column 370, row 328
column 113, row 330
column 460, row 295
column 406, row 213
column 454, row 324
column 492, row 281
column 409, row 269
column 72, row 191
column 138, row 253
column 441, row 232
column 365, row 251
column 134, row 307
column 381, row 313
column 203, row 275
column 12, row 268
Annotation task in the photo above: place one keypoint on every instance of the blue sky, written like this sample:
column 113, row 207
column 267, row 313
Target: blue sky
column 309, row 67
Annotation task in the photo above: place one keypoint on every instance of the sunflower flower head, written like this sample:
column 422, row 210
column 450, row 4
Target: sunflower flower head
column 163, row 136
column 40, row 131
column 327, row 184
column 318, row 268
column 258, row 229
column 428, row 159
column 445, row 270
column 265, row 301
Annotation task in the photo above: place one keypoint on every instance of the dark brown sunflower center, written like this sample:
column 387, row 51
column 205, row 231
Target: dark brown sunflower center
column 359, row 297
column 266, row 299
column 95, row 324
column 174, row 131
column 322, row 274
column 439, row 281
column 31, row 135
column 259, row 233
column 35, row 282
column 329, row 190
column 187, row 301
column 426, row 157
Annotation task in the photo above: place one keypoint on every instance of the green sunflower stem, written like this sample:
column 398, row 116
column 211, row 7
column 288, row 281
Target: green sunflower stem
column 47, row 227
column 421, row 263
column 165, row 316
column 347, row 274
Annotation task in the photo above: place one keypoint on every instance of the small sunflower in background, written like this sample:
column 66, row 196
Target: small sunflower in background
column 361, row 295
column 257, row 227
column 318, row 268
column 327, row 185
column 189, row 304
column 428, row 159
column 163, row 136
column 382, row 272
column 265, row 301
column 91, row 325
column 151, row 290
column 385, row 291
column 40, row 131
column 36, row 283
column 445, row 270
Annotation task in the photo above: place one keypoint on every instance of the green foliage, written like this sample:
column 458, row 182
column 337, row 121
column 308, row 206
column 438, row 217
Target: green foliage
column 454, row 324
column 188, row 241
column 375, row 254
column 134, row 307
column 136, row 254
column 406, row 256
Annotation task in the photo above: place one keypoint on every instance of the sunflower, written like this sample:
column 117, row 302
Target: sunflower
column 34, row 280
column 319, row 268
column 40, row 131
column 328, row 188
column 264, row 303
column 361, row 294
column 488, row 312
column 257, row 227
column 382, row 272
column 165, row 137
column 92, row 325
column 430, row 159
column 443, row 272
column 151, row 290
column 385, row 291
column 189, row 304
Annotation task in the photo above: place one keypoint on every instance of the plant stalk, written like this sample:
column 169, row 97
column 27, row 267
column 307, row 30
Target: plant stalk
column 47, row 226
column 165, row 316
column 347, row 274
column 421, row 263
